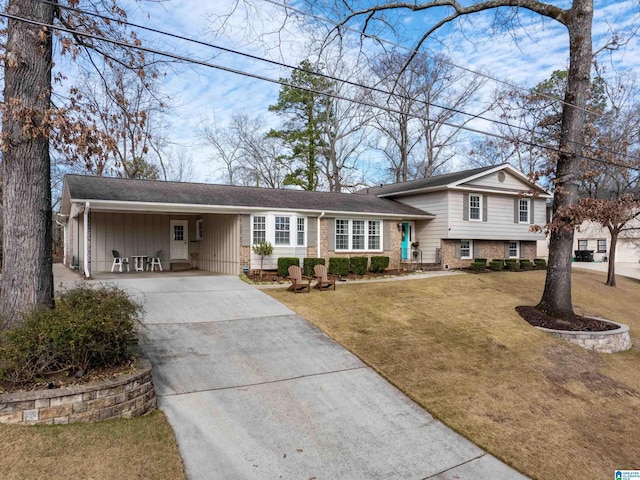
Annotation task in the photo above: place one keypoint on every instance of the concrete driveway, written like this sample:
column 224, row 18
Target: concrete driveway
column 253, row 391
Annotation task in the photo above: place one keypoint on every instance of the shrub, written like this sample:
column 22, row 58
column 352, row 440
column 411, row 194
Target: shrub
column 379, row 264
column 309, row 262
column 525, row 264
column 358, row 265
column 512, row 264
column 478, row 266
column 496, row 265
column 262, row 249
column 89, row 328
column 284, row 263
column 480, row 260
column 339, row 266
column 540, row 262
column 501, row 260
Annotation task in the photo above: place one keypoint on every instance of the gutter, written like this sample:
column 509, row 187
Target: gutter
column 318, row 235
column 87, row 273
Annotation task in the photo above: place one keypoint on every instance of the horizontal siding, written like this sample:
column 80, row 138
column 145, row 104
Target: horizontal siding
column 271, row 262
column 491, row 181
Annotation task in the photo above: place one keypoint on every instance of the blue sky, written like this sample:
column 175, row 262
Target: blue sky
column 526, row 55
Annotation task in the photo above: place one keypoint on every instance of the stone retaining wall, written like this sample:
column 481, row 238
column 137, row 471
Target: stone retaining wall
column 610, row 341
column 125, row 397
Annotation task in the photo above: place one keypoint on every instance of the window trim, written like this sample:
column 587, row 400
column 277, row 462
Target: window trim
column 253, row 228
column 528, row 203
column 466, row 257
column 598, row 245
column 276, row 230
column 480, row 199
column 303, row 231
column 366, row 236
column 586, row 244
column 199, row 229
column 269, row 228
column 517, row 255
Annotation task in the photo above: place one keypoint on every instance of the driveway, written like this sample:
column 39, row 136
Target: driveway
column 253, row 391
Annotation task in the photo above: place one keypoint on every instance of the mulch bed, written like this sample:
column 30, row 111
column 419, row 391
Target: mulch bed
column 580, row 324
column 273, row 277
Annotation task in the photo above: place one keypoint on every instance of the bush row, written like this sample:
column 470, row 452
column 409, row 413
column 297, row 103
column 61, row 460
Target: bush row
column 88, row 328
column 512, row 264
column 337, row 265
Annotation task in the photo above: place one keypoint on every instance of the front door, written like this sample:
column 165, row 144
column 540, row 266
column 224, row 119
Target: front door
column 179, row 240
column 406, row 241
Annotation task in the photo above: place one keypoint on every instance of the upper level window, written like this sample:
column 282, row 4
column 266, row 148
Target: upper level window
column 283, row 232
column 358, row 234
column 602, row 246
column 475, row 207
column 523, row 210
column 300, row 232
column 259, row 229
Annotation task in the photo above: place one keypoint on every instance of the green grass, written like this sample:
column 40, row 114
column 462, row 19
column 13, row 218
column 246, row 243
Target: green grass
column 457, row 347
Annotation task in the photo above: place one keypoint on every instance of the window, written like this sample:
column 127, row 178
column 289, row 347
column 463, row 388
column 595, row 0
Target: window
column 513, row 249
column 199, row 230
column 602, row 246
column 523, row 210
column 475, row 207
column 178, row 233
column 259, row 229
column 374, row 235
column 582, row 244
column 342, row 234
column 358, row 234
column 300, row 232
column 282, row 231
column 465, row 248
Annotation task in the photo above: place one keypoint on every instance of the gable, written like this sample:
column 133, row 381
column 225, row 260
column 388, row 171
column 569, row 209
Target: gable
column 501, row 180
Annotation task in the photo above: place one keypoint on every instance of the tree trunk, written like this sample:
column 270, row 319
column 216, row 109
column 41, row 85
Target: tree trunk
column 27, row 278
column 556, row 299
column 611, row 267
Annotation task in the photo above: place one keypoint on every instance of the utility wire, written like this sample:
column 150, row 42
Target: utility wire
column 281, row 82
column 332, row 78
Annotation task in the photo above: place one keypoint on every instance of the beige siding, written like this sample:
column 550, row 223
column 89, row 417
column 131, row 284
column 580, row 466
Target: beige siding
column 627, row 248
column 271, row 262
column 510, row 182
column 219, row 249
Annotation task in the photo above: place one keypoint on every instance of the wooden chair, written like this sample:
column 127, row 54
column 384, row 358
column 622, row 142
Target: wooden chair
column 119, row 261
column 297, row 280
column 324, row 282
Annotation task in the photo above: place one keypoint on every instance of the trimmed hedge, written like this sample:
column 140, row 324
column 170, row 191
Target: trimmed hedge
column 478, row 266
column 501, row 260
column 480, row 260
column 496, row 265
column 379, row 264
column 358, row 265
column 339, row 266
column 540, row 262
column 309, row 262
column 512, row 264
column 525, row 264
column 284, row 263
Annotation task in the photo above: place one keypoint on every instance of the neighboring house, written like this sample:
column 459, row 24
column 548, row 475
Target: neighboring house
column 593, row 236
column 484, row 212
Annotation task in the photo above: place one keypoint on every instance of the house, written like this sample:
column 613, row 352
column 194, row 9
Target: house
column 485, row 212
column 594, row 237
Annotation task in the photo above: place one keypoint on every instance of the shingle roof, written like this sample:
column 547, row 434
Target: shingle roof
column 87, row 188
column 429, row 182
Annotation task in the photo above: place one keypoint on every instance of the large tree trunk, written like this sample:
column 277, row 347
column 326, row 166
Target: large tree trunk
column 556, row 299
column 611, row 267
column 27, row 278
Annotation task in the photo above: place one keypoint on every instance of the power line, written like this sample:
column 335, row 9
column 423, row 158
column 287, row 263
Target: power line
column 348, row 82
column 280, row 82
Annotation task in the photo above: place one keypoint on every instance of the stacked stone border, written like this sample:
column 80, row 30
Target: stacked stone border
column 128, row 396
column 610, row 341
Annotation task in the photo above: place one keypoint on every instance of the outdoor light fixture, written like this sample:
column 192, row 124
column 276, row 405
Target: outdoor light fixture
column 400, row 226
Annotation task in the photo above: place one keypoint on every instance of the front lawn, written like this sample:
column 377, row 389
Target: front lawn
column 457, row 347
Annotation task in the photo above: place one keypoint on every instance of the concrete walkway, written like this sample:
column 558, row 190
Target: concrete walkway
column 624, row 269
column 253, row 391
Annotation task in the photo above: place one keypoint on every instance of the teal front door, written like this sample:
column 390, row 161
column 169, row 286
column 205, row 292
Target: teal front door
column 406, row 241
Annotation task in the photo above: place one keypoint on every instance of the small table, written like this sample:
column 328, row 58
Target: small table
column 139, row 262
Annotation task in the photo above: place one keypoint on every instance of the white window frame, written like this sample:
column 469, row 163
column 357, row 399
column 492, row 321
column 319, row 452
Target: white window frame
column 301, row 228
column 517, row 255
column 254, row 230
column 350, row 233
column 472, row 196
column 199, row 229
column 375, row 234
column 470, row 248
column 521, row 203
column 280, row 243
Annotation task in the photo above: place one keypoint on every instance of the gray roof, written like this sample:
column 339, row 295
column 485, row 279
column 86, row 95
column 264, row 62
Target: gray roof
column 87, row 188
column 429, row 182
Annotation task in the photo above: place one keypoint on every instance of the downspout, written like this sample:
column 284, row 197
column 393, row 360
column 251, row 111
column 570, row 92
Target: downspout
column 87, row 273
column 318, row 235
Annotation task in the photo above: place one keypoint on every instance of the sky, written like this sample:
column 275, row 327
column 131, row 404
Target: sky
column 525, row 55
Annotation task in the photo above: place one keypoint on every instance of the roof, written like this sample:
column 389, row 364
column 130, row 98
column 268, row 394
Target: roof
column 446, row 180
column 119, row 192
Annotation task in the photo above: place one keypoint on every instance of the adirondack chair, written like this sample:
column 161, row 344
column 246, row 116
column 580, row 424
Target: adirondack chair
column 324, row 282
column 297, row 280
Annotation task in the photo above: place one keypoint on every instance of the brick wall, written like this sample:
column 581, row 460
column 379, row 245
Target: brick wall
column 125, row 397
column 488, row 249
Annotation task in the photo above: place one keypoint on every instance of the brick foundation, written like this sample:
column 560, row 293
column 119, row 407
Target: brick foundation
column 488, row 249
column 125, row 397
